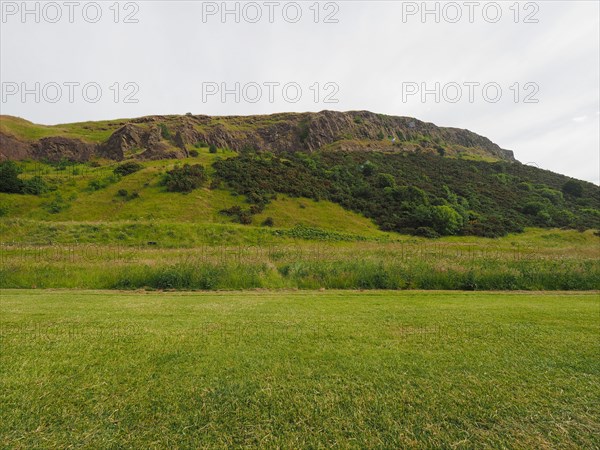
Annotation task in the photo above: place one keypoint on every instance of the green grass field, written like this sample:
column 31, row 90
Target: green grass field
column 97, row 369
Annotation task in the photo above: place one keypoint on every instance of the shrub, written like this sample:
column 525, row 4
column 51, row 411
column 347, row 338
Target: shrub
column 533, row 208
column 185, row 179
column 164, row 131
column 556, row 197
column 368, row 168
column 238, row 214
column 212, row 148
column 96, row 185
column 573, row 188
column 9, row 178
column 426, row 232
column 446, row 220
column 303, row 131
column 245, row 218
column 128, row 168
column 122, row 193
column 385, row 180
column 268, row 222
column 35, row 186
column 194, row 153
column 57, row 205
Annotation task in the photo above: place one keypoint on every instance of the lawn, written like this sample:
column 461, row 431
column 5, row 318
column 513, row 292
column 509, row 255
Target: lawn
column 98, row 369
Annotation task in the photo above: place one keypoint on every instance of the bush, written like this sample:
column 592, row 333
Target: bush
column 164, row 131
column 185, row 179
column 96, row 185
column 555, row 197
column 573, row 188
column 35, row 186
column 57, row 205
column 122, row 193
column 385, row 180
column 9, row 178
column 426, row 232
column 238, row 214
column 268, row 222
column 128, row 168
column 368, row 168
column 212, row 148
column 446, row 220
column 533, row 208
column 194, row 153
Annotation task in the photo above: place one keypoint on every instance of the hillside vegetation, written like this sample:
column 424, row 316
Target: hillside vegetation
column 133, row 204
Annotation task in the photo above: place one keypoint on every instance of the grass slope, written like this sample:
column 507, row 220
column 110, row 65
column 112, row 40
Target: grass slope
column 202, row 206
column 420, row 370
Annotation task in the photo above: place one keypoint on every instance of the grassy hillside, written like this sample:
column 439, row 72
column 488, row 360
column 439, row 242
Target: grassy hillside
column 87, row 131
column 82, row 203
column 333, row 219
column 332, row 191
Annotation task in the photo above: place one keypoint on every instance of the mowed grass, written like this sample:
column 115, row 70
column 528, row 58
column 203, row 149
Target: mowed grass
column 96, row 369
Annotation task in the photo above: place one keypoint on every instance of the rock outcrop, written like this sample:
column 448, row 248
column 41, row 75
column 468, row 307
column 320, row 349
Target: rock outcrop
column 145, row 138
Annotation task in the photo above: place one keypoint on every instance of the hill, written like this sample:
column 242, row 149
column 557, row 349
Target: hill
column 357, row 173
column 165, row 137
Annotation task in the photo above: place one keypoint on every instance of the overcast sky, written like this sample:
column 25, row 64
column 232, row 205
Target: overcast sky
column 526, row 76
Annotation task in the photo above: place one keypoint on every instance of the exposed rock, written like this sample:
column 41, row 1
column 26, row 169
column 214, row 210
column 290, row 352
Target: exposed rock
column 278, row 133
column 13, row 148
column 58, row 148
column 122, row 140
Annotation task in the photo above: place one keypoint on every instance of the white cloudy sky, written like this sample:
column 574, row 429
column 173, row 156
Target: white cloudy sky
column 373, row 53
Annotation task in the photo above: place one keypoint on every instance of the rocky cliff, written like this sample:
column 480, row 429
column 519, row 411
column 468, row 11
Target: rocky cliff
column 161, row 137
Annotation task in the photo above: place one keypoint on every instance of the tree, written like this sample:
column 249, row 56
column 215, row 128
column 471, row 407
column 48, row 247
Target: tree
column 573, row 188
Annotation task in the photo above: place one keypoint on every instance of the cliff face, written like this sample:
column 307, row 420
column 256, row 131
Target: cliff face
column 160, row 137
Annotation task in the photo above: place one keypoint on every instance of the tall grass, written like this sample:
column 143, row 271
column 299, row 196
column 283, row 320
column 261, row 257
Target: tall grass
column 307, row 266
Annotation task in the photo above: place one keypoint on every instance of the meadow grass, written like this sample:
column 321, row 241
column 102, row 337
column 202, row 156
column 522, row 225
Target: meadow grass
column 86, row 256
column 96, row 369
